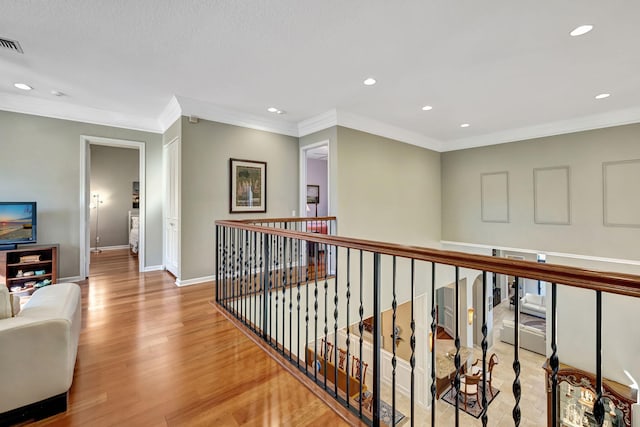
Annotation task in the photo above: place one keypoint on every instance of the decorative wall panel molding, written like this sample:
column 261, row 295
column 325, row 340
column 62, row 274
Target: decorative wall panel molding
column 552, row 195
column 621, row 193
column 494, row 195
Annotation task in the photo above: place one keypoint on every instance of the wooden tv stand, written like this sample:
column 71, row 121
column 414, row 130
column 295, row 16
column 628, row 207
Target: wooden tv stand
column 29, row 260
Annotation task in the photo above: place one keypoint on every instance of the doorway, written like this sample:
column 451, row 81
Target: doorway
column 89, row 202
column 315, row 195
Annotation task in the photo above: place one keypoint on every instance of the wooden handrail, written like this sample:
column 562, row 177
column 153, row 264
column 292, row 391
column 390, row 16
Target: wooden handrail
column 610, row 282
column 274, row 220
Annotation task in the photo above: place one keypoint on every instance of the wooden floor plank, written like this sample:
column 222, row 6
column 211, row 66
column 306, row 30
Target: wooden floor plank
column 153, row 354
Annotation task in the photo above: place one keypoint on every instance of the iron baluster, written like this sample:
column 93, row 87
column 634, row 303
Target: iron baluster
column 517, row 389
column 484, row 345
column 553, row 360
column 456, row 381
column 598, row 405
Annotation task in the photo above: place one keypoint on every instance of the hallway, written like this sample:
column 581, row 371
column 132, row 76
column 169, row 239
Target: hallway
column 153, row 354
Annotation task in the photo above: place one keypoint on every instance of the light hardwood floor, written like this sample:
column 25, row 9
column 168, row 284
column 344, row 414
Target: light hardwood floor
column 153, row 354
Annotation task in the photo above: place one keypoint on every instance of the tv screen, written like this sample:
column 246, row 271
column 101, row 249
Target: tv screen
column 17, row 222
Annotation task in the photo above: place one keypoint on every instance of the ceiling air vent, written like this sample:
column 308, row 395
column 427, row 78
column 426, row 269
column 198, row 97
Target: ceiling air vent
column 11, row 45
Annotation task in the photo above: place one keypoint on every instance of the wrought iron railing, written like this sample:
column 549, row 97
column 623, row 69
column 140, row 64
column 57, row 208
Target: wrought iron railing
column 318, row 300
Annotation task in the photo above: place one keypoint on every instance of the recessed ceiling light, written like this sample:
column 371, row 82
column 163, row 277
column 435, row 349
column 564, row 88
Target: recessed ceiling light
column 464, row 125
column 603, row 95
column 280, row 112
column 272, row 109
column 370, row 81
column 427, row 108
column 582, row 29
column 22, row 86
column 56, row 93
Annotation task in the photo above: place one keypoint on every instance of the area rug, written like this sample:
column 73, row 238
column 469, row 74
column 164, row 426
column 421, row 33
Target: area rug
column 473, row 408
column 385, row 412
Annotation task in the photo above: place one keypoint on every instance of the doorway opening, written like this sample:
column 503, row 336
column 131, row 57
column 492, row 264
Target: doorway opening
column 111, row 197
column 314, row 180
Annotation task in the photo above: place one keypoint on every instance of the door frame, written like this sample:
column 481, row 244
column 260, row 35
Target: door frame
column 303, row 176
column 85, row 197
column 165, row 203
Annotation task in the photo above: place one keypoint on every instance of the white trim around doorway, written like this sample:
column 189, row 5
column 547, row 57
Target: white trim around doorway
column 85, row 141
column 303, row 176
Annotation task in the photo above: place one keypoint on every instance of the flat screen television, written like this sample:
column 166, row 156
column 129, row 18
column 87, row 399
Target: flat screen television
column 18, row 224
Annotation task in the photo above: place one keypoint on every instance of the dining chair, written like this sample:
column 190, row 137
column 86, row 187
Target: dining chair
column 342, row 358
column 329, row 346
column 476, row 369
column 357, row 367
column 469, row 387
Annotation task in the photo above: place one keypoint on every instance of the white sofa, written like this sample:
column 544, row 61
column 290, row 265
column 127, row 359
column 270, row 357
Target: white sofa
column 38, row 349
column 534, row 305
column 531, row 339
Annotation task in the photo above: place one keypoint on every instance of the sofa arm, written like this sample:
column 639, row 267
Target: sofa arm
column 37, row 358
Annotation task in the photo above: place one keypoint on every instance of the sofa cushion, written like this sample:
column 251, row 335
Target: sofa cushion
column 15, row 303
column 533, row 299
column 6, row 308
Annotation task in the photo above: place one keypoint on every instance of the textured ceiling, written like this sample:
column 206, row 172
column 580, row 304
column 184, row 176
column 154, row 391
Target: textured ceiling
column 510, row 69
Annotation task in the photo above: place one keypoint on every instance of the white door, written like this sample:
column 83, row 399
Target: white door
column 449, row 314
column 172, row 206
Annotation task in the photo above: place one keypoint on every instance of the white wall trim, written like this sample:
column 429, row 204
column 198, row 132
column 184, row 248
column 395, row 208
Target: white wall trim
column 534, row 251
column 317, row 123
column 172, row 112
column 111, row 248
column 595, row 121
column 365, row 124
column 85, row 141
column 303, row 175
column 153, row 268
column 66, row 111
column 195, row 281
column 209, row 111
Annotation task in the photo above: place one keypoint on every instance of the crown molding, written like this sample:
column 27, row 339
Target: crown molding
column 172, row 112
column 65, row 111
column 386, row 130
column 591, row 122
column 317, row 123
column 208, row 111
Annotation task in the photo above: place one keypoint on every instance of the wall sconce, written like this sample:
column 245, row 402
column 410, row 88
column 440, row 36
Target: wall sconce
column 470, row 315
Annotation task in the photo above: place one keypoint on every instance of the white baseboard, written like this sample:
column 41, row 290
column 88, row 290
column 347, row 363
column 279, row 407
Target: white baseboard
column 153, row 268
column 111, row 248
column 195, row 281
column 69, row 279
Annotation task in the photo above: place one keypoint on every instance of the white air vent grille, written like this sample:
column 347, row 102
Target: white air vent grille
column 11, row 45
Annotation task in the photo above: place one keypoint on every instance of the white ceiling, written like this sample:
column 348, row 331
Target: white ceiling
column 510, row 69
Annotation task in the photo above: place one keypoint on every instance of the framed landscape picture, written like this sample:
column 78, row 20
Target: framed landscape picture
column 313, row 194
column 247, row 186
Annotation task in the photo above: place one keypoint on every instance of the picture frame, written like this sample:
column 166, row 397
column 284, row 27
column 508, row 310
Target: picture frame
column 135, row 195
column 247, row 186
column 313, row 194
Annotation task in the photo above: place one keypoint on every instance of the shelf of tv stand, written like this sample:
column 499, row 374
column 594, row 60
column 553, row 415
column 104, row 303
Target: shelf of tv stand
column 27, row 264
column 29, row 278
column 10, row 265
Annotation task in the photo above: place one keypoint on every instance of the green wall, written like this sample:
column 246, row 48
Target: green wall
column 41, row 162
column 389, row 191
column 584, row 154
column 206, row 149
